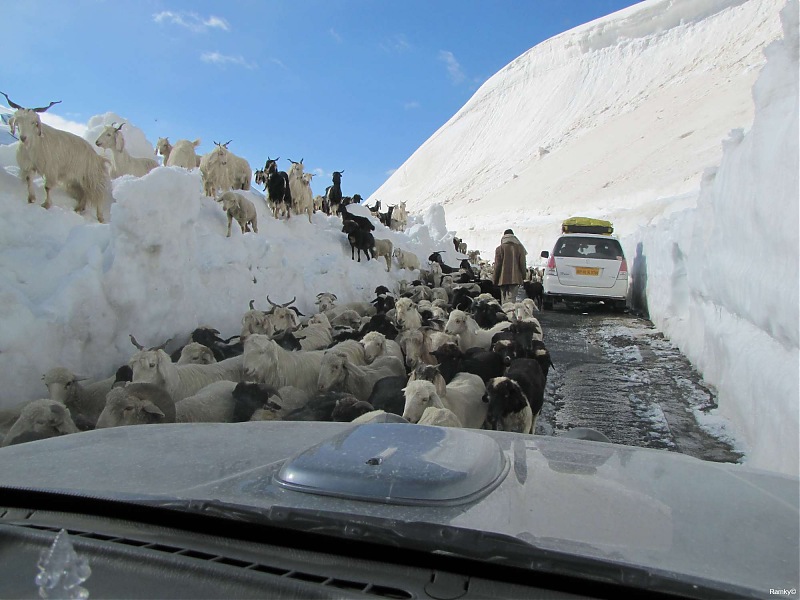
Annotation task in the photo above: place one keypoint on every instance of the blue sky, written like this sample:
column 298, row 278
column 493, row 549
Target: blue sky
column 353, row 85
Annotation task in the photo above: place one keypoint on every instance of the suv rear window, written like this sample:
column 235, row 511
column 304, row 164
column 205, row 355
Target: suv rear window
column 588, row 247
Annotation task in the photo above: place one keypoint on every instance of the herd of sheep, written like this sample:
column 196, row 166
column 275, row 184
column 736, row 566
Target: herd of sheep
column 438, row 351
column 446, row 355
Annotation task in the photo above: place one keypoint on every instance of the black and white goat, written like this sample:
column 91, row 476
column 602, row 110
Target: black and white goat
column 523, row 381
column 277, row 184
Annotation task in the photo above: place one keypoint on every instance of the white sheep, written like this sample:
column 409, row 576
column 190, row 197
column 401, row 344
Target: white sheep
column 9, row 416
column 384, row 248
column 406, row 259
column 61, row 158
column 469, row 334
column 440, row 417
column 182, row 154
column 266, row 362
column 195, row 353
column 347, row 318
column 378, row 416
column 338, row 372
column 375, row 345
column 39, row 420
column 464, row 397
column 316, row 334
column 123, row 163
column 137, row 404
column 240, row 208
column 212, row 404
column 181, row 381
column 85, row 401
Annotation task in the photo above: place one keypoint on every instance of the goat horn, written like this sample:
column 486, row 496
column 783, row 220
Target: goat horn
column 270, row 301
column 135, row 343
column 289, row 302
column 252, row 303
column 11, row 103
column 291, row 161
column 120, row 126
column 44, row 108
column 226, row 143
column 162, row 346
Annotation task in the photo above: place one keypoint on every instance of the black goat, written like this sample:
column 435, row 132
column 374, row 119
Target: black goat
column 359, row 239
column 437, row 258
column 249, row 397
column 462, row 299
column 333, row 194
column 220, row 348
column 363, row 222
column 487, row 314
column 383, row 303
column 520, row 337
column 382, row 324
column 387, row 395
column 348, row 407
column 483, row 363
column 386, row 218
column 535, row 291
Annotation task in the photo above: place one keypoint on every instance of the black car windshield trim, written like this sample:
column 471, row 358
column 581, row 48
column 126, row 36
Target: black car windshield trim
column 498, row 550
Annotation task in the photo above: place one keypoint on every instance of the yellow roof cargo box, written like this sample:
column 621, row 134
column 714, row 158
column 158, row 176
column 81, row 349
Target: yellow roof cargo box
column 586, row 225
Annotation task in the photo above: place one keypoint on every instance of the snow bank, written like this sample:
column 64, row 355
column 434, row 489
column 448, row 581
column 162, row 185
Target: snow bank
column 72, row 290
column 722, row 278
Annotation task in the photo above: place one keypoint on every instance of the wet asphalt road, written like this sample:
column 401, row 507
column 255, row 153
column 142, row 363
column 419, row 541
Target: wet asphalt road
column 617, row 374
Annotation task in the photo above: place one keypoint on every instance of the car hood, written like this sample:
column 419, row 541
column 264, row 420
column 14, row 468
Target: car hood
column 650, row 508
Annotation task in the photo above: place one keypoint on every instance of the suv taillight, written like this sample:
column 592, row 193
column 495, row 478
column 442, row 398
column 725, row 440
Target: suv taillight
column 623, row 270
column 551, row 265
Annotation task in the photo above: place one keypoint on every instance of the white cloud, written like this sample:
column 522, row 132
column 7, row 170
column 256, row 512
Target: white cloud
column 192, row 21
column 411, row 105
column 335, row 35
column 222, row 59
column 453, row 67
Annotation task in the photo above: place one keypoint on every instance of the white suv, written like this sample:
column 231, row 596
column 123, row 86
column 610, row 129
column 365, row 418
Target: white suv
column 585, row 267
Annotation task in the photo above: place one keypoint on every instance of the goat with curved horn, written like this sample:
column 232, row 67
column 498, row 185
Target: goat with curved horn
column 16, row 106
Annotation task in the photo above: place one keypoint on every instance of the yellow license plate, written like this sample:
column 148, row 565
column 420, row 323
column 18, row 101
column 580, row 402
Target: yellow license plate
column 595, row 271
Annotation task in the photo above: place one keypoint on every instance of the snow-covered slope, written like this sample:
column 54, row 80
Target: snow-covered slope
column 604, row 119
column 676, row 120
